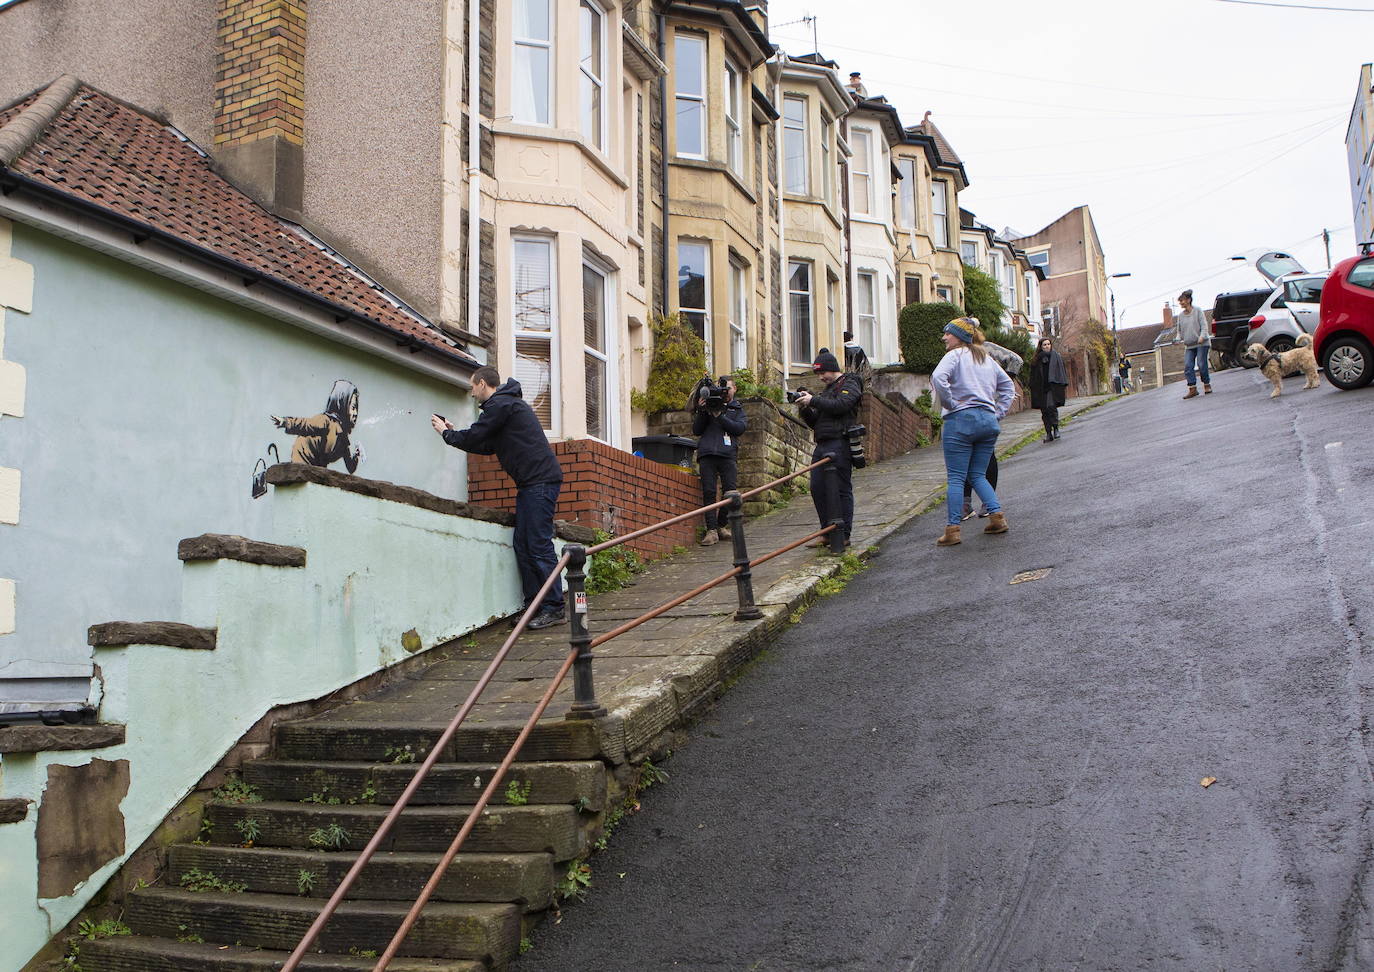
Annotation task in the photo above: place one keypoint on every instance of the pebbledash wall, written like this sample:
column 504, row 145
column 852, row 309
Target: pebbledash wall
column 135, row 408
column 604, row 489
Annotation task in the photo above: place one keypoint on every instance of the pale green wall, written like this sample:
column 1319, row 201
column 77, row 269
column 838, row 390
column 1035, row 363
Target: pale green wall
column 147, row 404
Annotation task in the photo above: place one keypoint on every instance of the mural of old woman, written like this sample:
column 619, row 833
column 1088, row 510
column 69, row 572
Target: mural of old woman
column 324, row 438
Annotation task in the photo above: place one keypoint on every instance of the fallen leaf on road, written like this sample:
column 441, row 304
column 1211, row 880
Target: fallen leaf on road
column 1208, row 781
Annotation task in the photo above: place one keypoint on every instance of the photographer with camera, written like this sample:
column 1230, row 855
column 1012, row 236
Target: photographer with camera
column 831, row 414
column 718, row 421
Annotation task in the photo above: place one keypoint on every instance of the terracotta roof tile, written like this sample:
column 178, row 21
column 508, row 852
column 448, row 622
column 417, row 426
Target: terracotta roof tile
column 110, row 154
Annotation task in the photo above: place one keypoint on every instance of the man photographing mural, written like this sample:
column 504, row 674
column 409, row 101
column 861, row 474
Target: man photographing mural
column 509, row 430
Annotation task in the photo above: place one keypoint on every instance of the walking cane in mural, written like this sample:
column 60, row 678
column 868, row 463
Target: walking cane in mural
column 324, row 438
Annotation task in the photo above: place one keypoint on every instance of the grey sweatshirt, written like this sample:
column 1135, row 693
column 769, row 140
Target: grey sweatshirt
column 1192, row 327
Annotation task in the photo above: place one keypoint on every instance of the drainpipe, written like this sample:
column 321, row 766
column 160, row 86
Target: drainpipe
column 663, row 155
column 849, row 253
column 783, row 303
column 475, row 173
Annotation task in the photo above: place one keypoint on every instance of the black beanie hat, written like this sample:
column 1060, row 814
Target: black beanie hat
column 825, row 361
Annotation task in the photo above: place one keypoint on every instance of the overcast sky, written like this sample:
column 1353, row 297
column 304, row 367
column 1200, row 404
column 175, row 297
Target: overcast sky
column 1194, row 129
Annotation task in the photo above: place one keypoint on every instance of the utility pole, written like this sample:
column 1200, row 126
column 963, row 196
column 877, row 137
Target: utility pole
column 1326, row 238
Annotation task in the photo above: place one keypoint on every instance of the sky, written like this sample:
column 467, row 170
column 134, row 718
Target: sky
column 1195, row 130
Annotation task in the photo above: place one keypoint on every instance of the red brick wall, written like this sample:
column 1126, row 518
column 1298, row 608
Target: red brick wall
column 605, row 489
column 892, row 425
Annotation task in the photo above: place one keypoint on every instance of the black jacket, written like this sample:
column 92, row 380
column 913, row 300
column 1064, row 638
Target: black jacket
column 1048, row 380
column 509, row 430
column 835, row 409
column 714, row 429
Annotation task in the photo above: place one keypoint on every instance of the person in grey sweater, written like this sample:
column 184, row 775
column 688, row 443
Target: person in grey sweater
column 1197, row 341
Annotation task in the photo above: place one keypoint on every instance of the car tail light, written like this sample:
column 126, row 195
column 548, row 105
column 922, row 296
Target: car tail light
column 1214, row 327
column 1257, row 320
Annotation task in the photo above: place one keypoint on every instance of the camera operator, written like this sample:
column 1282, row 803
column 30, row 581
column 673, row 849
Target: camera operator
column 719, row 421
column 829, row 414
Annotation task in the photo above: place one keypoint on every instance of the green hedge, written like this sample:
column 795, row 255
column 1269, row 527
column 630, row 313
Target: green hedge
column 919, row 328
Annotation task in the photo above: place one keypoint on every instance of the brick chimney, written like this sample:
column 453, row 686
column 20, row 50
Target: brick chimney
column 260, row 99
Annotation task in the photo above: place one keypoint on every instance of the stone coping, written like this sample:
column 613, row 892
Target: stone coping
column 170, row 633
column 13, row 810
column 222, row 546
column 43, row 739
column 295, row 473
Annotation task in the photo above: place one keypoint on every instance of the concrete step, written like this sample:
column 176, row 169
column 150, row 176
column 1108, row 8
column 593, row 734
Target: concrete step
column 447, row 783
column 326, row 739
column 523, row 879
column 139, row 954
column 535, row 829
column 488, row 933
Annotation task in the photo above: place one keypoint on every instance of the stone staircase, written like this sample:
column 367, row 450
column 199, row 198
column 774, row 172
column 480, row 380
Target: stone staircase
column 273, row 849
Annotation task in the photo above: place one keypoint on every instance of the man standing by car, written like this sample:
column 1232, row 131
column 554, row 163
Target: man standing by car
column 509, row 429
column 829, row 414
column 1197, row 341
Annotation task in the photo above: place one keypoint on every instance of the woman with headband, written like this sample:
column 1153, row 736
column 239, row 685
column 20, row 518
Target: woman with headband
column 974, row 393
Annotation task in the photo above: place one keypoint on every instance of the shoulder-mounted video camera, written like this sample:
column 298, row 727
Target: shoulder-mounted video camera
column 712, row 394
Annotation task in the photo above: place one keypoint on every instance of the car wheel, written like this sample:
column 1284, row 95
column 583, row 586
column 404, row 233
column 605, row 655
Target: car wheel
column 1281, row 344
column 1239, row 356
column 1348, row 362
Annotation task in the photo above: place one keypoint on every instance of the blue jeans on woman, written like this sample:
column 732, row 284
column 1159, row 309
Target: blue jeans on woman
column 970, row 437
column 1195, row 360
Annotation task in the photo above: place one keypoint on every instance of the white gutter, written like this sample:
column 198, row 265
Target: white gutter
column 164, row 261
column 474, row 284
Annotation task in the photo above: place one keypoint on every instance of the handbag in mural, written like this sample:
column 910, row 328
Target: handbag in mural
column 260, row 471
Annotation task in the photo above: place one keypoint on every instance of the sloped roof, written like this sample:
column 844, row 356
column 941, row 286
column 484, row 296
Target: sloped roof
column 942, row 144
column 90, row 149
column 1134, row 340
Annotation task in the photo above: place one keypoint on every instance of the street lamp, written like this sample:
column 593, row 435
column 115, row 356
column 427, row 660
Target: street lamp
column 1116, row 345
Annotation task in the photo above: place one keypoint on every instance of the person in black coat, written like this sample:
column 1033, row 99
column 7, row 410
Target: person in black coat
column 509, row 430
column 718, row 430
column 1049, row 379
column 829, row 413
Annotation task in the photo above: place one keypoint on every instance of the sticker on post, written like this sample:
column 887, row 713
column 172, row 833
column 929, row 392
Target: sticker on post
column 580, row 602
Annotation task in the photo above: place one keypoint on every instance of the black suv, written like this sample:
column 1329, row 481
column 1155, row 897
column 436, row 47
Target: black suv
column 1231, row 321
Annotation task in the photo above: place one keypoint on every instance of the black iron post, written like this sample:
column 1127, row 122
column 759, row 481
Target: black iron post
column 744, row 580
column 584, row 704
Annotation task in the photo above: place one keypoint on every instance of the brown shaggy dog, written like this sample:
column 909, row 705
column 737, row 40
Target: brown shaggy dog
column 1276, row 366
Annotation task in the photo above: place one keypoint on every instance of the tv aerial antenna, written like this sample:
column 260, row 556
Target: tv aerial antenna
column 810, row 20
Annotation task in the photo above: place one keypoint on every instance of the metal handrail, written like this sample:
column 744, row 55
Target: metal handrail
column 575, row 556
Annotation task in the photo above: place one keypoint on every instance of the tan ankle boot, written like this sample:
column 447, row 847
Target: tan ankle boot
column 1206, row 389
column 1192, row 392
column 997, row 523
column 949, row 538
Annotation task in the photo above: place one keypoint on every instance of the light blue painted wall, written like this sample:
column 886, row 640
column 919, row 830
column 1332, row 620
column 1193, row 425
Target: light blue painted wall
column 147, row 404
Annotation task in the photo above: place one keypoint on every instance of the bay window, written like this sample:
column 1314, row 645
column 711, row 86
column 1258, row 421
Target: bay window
column 739, row 314
column 906, row 192
column 694, row 286
column 596, row 352
column 592, row 70
column 734, row 108
column 939, row 207
column 799, row 306
column 795, row 175
column 690, row 75
column 866, row 309
column 861, row 167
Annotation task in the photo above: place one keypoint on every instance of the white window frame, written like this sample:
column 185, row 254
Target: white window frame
column 607, row 356
column 939, row 209
column 827, row 169
column 705, row 309
column 1009, row 285
column 739, row 314
column 1041, row 260
column 965, row 245
column 794, row 132
column 810, row 295
column 832, row 301
column 549, row 244
column 866, row 320
column 680, row 40
column 864, row 137
column 734, row 114
column 906, row 193
column 534, row 43
column 1030, row 293
column 597, row 81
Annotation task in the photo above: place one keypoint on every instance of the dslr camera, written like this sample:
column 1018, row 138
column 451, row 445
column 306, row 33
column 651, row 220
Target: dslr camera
column 711, row 394
column 792, row 396
column 854, row 435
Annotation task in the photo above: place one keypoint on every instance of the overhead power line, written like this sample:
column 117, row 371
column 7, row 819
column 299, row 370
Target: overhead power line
column 1299, row 6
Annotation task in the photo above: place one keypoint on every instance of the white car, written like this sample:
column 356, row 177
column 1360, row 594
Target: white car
column 1294, row 308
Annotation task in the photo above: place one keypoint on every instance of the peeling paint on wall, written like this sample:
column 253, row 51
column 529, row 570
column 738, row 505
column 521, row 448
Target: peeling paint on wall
column 6, row 606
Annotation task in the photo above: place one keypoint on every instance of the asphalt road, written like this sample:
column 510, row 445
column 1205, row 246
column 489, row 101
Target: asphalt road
column 936, row 769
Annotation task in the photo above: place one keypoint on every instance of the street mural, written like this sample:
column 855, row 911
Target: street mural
column 325, row 438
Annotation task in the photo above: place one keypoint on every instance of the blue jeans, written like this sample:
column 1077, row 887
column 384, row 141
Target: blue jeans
column 1195, row 360
column 533, row 542
column 970, row 438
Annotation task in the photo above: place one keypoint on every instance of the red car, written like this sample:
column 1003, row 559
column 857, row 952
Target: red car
column 1344, row 340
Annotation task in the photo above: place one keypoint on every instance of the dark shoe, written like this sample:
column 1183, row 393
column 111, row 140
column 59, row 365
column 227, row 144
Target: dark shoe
column 1056, row 431
column 545, row 619
column 1049, row 437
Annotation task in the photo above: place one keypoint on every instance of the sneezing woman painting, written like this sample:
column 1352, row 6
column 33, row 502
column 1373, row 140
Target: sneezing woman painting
column 324, row 438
